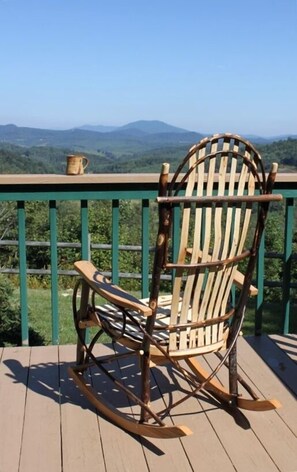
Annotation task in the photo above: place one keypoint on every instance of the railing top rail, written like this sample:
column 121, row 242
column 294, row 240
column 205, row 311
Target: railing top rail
column 54, row 179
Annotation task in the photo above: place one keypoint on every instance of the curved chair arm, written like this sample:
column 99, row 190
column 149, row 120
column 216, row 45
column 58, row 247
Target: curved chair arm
column 113, row 293
column 238, row 277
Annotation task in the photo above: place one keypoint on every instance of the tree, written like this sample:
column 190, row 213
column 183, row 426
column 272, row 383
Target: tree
column 7, row 218
column 10, row 324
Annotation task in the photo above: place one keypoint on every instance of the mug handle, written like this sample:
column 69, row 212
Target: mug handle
column 86, row 160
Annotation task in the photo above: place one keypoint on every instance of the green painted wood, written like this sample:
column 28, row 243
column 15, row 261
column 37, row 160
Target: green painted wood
column 85, row 241
column 260, row 286
column 287, row 193
column 115, row 241
column 102, row 191
column 78, row 194
column 175, row 235
column 288, row 246
column 145, row 249
column 54, row 271
column 23, row 272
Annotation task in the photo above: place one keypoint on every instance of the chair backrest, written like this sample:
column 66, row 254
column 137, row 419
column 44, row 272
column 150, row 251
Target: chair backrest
column 214, row 192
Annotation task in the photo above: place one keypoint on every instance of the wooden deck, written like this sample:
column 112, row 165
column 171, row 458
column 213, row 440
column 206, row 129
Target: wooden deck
column 46, row 425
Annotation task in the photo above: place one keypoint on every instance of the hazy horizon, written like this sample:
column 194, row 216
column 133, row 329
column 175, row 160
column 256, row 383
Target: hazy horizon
column 204, row 132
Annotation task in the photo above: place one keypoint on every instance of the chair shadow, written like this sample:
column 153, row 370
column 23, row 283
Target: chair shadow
column 52, row 380
column 213, row 403
column 48, row 379
column 288, row 346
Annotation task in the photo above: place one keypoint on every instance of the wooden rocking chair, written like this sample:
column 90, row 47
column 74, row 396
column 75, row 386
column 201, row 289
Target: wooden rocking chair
column 219, row 198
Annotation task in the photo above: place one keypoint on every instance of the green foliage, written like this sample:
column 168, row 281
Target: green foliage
column 12, row 162
column 10, row 317
column 7, row 218
column 118, row 153
column 274, row 243
column 9, row 309
column 284, row 152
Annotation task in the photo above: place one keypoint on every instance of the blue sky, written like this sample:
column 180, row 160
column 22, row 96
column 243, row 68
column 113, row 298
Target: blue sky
column 207, row 66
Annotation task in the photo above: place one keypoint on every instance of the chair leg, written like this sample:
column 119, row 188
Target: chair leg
column 145, row 381
column 78, row 316
column 233, row 377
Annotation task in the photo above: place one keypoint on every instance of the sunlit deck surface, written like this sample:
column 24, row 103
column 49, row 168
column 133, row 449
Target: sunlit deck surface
column 46, row 425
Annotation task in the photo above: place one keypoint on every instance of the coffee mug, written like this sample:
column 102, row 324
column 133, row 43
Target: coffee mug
column 76, row 164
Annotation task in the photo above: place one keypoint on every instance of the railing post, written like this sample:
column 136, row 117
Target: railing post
column 23, row 272
column 175, row 236
column 54, row 271
column 85, row 240
column 287, row 263
column 145, row 249
column 115, row 242
column 260, row 286
column 85, row 244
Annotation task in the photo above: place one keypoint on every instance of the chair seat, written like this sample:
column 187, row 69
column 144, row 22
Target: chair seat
column 129, row 334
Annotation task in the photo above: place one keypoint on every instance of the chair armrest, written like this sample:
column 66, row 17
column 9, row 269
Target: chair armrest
column 238, row 282
column 103, row 286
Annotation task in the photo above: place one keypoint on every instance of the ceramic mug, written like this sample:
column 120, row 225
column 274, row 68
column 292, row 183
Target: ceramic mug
column 76, row 164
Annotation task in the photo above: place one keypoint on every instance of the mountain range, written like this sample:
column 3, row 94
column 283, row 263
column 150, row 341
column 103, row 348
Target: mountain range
column 133, row 137
column 141, row 145
column 141, row 126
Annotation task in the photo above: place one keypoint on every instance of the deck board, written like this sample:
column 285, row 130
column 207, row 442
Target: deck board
column 13, row 391
column 287, row 343
column 237, row 432
column 42, row 414
column 268, row 427
column 195, row 414
column 46, row 424
column 121, row 450
column 81, row 441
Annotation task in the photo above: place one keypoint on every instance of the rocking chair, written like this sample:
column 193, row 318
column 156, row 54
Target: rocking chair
column 217, row 201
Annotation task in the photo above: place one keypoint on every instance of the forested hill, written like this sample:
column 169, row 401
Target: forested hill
column 133, row 137
column 43, row 159
column 283, row 152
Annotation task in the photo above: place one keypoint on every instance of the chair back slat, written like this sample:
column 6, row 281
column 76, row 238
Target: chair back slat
column 213, row 235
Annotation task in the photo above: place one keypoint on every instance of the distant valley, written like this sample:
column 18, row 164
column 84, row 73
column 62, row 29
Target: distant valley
column 141, row 145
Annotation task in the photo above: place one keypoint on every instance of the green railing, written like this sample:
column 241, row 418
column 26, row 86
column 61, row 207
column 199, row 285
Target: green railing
column 116, row 188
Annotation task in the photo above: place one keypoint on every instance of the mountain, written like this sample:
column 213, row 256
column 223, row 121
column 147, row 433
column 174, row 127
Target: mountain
column 284, row 137
column 258, row 139
column 137, row 128
column 152, row 127
column 131, row 138
column 98, row 128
